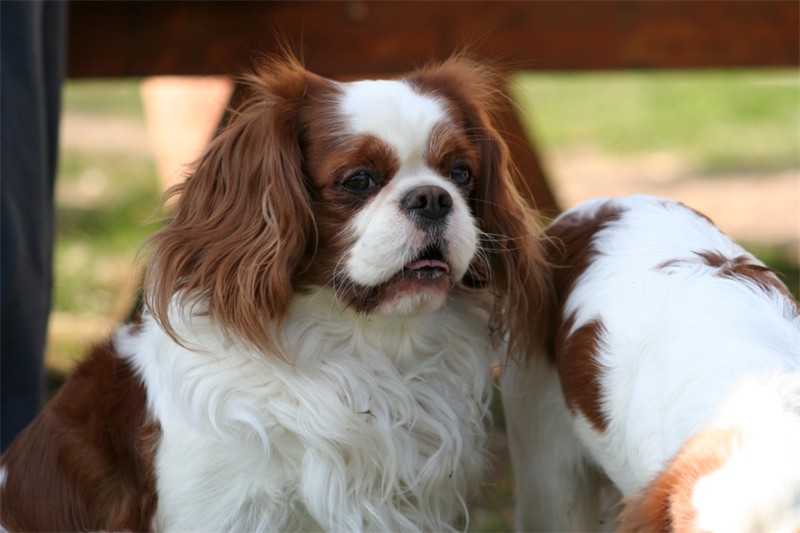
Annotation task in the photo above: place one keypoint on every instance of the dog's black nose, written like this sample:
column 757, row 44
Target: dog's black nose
column 428, row 203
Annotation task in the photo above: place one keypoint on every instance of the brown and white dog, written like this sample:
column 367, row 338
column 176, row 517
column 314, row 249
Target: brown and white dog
column 671, row 369
column 320, row 309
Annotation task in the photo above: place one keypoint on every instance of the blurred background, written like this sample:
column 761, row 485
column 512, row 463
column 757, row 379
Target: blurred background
column 724, row 141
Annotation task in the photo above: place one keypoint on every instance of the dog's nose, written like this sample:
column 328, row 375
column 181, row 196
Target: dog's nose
column 428, row 202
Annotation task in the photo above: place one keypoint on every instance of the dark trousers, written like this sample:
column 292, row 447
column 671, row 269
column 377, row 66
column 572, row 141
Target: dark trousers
column 32, row 45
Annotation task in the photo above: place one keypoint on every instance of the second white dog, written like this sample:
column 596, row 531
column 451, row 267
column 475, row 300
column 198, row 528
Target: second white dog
column 671, row 370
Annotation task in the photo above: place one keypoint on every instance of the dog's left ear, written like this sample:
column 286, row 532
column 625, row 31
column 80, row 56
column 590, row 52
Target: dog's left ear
column 242, row 223
column 510, row 230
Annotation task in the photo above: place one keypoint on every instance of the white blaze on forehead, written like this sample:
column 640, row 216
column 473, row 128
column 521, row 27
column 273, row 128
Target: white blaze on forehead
column 393, row 112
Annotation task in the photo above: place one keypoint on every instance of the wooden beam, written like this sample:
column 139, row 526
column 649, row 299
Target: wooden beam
column 135, row 38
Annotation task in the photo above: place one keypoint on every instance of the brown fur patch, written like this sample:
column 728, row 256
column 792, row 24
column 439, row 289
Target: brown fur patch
column 570, row 252
column 579, row 370
column 449, row 146
column 86, row 463
column 741, row 268
column 666, row 504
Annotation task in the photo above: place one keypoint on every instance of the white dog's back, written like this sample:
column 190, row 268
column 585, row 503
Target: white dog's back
column 671, row 369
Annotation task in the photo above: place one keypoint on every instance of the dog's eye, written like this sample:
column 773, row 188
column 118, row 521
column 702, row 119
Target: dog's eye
column 461, row 175
column 359, row 182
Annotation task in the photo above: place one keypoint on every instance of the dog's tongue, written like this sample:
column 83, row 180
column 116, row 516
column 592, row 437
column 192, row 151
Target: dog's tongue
column 429, row 263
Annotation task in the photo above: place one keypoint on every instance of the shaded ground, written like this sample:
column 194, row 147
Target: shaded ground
column 758, row 207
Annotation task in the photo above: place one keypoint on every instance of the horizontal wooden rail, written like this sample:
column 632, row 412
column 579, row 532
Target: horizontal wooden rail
column 138, row 38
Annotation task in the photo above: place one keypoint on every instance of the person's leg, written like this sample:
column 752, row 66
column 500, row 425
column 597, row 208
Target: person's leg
column 33, row 50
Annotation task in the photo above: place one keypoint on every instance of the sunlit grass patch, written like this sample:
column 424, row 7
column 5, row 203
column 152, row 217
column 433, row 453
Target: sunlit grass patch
column 719, row 120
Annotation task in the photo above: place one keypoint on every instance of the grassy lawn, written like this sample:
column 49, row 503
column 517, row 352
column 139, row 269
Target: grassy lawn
column 102, row 99
column 719, row 122
column 105, row 195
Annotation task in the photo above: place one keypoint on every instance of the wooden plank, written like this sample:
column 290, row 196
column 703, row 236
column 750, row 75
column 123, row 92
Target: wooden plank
column 133, row 38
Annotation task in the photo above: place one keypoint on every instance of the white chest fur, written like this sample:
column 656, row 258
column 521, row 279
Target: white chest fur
column 367, row 423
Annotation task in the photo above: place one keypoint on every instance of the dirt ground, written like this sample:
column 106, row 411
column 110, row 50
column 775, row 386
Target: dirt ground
column 762, row 207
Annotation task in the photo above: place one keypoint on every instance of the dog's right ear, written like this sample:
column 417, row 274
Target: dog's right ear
column 242, row 220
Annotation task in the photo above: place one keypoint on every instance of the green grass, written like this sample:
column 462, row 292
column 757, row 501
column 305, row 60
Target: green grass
column 720, row 121
column 119, row 98
column 96, row 242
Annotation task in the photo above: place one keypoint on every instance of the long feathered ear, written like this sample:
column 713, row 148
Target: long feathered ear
column 514, row 245
column 511, row 233
column 242, row 221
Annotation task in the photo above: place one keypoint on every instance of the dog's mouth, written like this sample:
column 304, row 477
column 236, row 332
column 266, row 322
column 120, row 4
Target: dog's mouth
column 429, row 263
column 423, row 284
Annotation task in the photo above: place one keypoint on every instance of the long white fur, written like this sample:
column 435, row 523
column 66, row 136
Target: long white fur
column 374, row 424
column 683, row 349
column 556, row 487
column 362, row 422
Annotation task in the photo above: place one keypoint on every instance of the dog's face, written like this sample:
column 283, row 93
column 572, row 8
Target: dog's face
column 390, row 193
column 392, row 187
